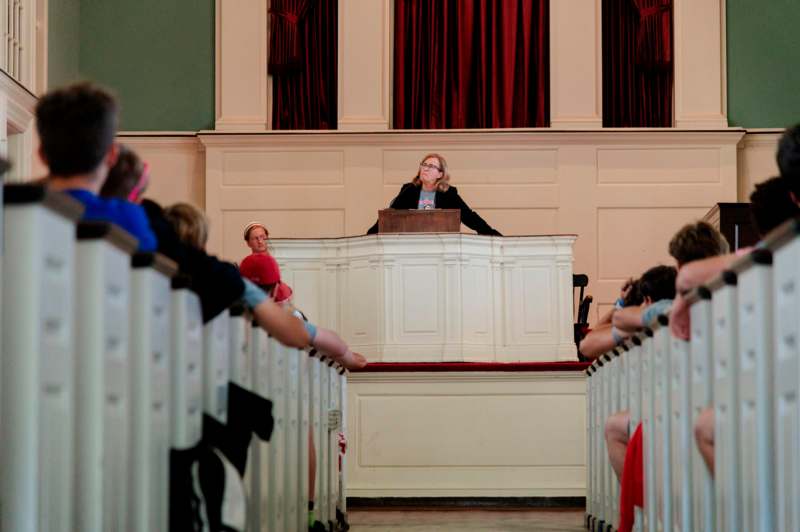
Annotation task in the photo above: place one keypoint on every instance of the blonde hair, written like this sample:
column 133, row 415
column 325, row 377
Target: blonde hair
column 444, row 182
column 190, row 223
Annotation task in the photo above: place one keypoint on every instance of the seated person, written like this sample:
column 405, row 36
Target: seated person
column 190, row 223
column 263, row 270
column 128, row 178
column 431, row 189
column 601, row 339
column 692, row 242
column 257, row 237
column 771, row 204
column 76, row 126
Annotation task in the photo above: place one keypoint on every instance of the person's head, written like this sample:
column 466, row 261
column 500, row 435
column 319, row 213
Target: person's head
column 76, row 126
column 190, row 223
column 788, row 157
column 256, row 237
column 658, row 283
column 771, row 204
column 128, row 178
column 433, row 171
column 633, row 296
column 697, row 241
column 263, row 270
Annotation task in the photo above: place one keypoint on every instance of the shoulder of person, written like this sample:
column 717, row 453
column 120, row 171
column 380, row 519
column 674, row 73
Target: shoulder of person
column 407, row 186
column 451, row 191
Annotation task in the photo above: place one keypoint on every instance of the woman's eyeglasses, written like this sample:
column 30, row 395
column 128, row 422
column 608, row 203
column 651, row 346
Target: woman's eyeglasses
column 430, row 166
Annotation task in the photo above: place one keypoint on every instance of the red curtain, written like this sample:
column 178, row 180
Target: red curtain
column 303, row 63
column 471, row 64
column 637, row 63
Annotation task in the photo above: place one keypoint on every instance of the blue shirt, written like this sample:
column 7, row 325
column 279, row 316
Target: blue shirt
column 128, row 216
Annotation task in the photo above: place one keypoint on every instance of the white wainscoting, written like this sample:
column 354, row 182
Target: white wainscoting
column 438, row 297
column 482, row 434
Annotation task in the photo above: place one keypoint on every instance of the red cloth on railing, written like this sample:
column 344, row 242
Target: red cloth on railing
column 632, row 489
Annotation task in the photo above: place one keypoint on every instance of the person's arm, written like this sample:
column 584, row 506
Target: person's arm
column 690, row 276
column 281, row 325
column 698, row 272
column 331, row 344
column 601, row 339
column 471, row 218
column 628, row 319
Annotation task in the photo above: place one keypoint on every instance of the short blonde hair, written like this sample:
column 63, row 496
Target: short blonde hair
column 190, row 223
column 444, row 182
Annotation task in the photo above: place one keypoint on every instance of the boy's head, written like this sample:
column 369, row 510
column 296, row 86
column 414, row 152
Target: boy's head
column 697, row 241
column 76, row 126
column 128, row 178
column 633, row 297
column 658, row 283
column 190, row 223
column 771, row 204
column 788, row 156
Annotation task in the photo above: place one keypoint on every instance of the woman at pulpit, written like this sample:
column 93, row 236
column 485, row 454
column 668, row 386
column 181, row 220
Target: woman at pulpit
column 431, row 189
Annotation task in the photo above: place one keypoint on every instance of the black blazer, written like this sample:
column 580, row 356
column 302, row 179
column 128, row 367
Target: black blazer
column 408, row 198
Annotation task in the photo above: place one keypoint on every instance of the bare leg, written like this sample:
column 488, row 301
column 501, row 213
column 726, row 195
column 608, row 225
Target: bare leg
column 704, row 435
column 617, row 439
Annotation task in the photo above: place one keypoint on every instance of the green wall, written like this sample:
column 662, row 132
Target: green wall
column 763, row 63
column 63, row 39
column 156, row 55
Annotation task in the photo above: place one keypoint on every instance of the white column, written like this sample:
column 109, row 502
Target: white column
column 700, row 75
column 576, row 64
column 365, row 64
column 241, row 66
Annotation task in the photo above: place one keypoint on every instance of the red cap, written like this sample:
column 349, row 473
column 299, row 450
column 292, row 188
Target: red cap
column 261, row 269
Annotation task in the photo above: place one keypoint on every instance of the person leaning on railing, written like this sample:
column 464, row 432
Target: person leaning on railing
column 431, row 189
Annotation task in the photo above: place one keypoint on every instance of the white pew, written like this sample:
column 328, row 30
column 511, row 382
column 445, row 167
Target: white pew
column 727, row 478
column 316, row 427
column 662, row 427
column 634, row 365
column 186, row 368
column 786, row 256
column 258, row 459
column 293, row 497
column 590, row 445
column 102, row 285
column 682, row 432
column 275, row 471
column 240, row 369
column 702, row 396
column 342, row 504
column 304, row 434
column 755, row 390
column 648, row 431
column 334, row 427
column 150, row 371
column 37, row 419
column 216, row 366
column 614, row 387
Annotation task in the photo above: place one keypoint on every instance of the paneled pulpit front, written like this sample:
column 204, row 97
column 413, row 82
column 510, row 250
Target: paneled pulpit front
column 438, row 297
